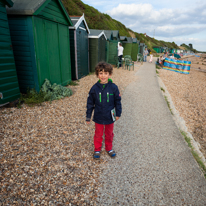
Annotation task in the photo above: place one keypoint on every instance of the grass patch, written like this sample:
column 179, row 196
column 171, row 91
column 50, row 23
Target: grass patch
column 73, row 83
column 157, row 72
column 168, row 104
column 32, row 97
column 162, row 89
column 158, row 67
column 195, row 155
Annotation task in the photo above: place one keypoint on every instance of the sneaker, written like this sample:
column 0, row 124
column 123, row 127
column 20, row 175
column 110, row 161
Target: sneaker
column 111, row 153
column 96, row 155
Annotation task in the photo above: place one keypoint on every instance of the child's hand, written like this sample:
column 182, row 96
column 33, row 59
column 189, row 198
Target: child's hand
column 117, row 118
column 88, row 122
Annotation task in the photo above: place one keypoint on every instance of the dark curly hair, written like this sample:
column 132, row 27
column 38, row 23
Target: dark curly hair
column 103, row 66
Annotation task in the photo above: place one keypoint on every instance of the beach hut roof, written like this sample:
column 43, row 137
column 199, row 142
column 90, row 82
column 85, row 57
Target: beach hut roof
column 109, row 34
column 134, row 40
column 116, row 34
column 95, row 33
column 31, row 7
column 25, row 7
column 129, row 40
column 123, row 38
column 77, row 20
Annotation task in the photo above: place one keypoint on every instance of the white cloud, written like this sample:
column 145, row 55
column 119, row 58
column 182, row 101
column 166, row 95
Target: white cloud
column 172, row 22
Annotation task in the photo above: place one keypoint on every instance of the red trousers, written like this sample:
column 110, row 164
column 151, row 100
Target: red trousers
column 98, row 136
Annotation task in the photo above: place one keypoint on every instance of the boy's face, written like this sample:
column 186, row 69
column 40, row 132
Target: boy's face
column 103, row 77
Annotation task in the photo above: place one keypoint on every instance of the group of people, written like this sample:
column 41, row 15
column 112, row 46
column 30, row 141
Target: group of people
column 145, row 54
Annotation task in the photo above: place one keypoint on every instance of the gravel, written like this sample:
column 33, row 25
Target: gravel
column 46, row 151
column 153, row 166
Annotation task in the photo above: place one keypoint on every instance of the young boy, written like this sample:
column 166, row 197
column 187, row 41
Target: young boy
column 103, row 98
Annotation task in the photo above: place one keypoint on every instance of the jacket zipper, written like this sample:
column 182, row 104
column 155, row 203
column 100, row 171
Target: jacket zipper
column 100, row 97
column 107, row 96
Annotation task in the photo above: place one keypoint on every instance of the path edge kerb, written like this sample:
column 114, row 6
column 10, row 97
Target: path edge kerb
column 180, row 122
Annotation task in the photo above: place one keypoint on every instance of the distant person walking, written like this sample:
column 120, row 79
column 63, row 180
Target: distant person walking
column 120, row 53
column 145, row 54
column 151, row 57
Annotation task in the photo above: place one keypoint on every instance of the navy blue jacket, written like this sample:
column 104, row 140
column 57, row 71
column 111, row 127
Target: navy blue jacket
column 102, row 99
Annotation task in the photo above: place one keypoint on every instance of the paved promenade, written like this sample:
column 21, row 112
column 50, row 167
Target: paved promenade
column 154, row 165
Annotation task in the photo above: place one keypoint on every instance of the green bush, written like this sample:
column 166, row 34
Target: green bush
column 48, row 92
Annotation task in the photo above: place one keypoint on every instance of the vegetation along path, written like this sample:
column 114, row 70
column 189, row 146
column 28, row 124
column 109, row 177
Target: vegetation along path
column 154, row 165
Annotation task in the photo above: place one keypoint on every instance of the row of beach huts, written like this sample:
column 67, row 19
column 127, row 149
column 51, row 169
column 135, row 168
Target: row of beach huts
column 39, row 40
column 181, row 50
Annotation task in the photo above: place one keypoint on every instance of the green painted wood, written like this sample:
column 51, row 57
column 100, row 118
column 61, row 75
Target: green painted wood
column 101, row 49
column 135, row 48
column 23, row 47
column 9, row 85
column 52, row 51
column 113, row 52
column 127, row 49
column 79, row 52
column 64, row 49
column 93, row 53
column 157, row 49
column 82, row 53
column 107, row 51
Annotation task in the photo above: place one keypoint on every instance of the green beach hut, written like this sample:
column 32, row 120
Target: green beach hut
column 157, row 49
column 79, row 47
column 127, row 46
column 9, row 87
column 40, row 38
column 135, row 49
column 97, row 47
column 111, row 48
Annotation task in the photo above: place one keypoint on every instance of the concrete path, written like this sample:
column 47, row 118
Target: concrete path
column 154, row 165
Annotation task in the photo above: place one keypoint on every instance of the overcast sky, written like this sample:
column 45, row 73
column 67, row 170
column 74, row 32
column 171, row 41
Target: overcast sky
column 181, row 21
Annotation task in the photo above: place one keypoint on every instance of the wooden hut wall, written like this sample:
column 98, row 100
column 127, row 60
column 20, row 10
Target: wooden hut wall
column 41, row 46
column 93, row 53
column 113, row 54
column 24, row 52
column 102, row 48
column 9, row 87
column 79, row 51
column 107, row 51
column 52, row 51
column 135, row 49
column 127, row 49
column 156, row 49
column 82, row 51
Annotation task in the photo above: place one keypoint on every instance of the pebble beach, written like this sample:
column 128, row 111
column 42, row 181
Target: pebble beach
column 46, row 150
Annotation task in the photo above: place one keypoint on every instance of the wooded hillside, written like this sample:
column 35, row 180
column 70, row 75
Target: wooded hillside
column 98, row 20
